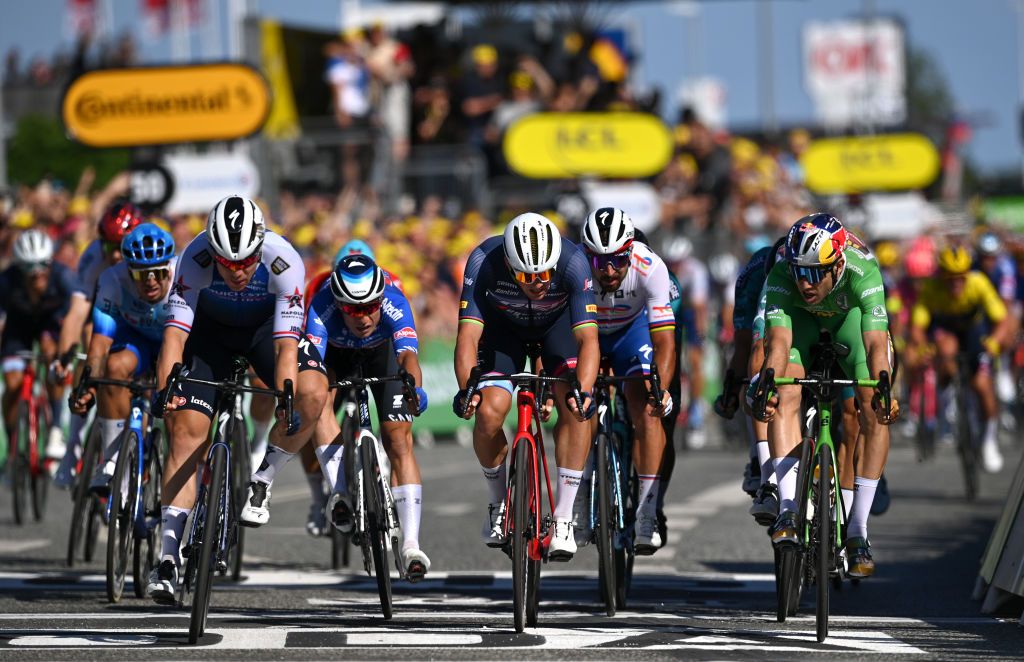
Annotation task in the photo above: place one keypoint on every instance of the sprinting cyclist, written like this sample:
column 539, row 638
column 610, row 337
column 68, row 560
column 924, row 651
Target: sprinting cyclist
column 527, row 286
column 826, row 282
column 34, row 296
column 237, row 291
column 636, row 329
column 360, row 324
column 128, row 326
column 105, row 251
column 993, row 260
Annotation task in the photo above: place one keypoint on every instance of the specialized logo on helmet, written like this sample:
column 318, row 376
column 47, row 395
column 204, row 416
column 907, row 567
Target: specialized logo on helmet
column 234, row 224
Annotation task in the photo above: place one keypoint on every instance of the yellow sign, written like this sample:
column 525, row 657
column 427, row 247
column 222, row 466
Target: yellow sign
column 564, row 145
column 870, row 163
column 159, row 105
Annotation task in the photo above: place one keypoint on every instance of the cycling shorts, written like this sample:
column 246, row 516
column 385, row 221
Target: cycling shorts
column 629, row 349
column 503, row 348
column 380, row 361
column 144, row 349
column 969, row 337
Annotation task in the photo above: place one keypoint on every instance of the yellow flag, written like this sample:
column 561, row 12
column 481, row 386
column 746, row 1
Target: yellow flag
column 283, row 122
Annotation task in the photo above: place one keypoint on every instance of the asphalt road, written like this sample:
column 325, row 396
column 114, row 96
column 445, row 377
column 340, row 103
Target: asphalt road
column 709, row 594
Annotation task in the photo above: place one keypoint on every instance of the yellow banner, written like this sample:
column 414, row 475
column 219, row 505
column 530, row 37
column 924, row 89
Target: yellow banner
column 892, row 162
column 283, row 122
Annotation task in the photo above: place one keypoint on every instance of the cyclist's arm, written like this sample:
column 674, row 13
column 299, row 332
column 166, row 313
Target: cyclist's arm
column 876, row 346
column 874, row 322
column 171, row 351
column 410, row 362
column 664, row 342
column 74, row 321
column 589, row 358
column 99, row 348
column 661, row 320
column 995, row 310
column 286, row 360
column 742, row 342
column 779, row 293
column 105, row 318
column 467, row 343
column 471, row 318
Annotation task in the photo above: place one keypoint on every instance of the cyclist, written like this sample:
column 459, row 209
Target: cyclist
column 959, row 310
column 34, row 296
column 635, row 324
column 360, row 324
column 128, row 325
column 528, row 286
column 826, row 282
column 993, row 260
column 105, row 251
column 237, row 291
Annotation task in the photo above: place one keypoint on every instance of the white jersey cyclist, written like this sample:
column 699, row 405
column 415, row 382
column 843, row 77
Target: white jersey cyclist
column 646, row 288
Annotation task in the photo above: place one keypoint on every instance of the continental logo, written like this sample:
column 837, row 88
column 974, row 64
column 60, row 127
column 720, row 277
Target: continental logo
column 162, row 105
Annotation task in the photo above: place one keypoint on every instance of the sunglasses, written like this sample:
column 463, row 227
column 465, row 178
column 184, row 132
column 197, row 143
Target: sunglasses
column 142, row 275
column 237, row 265
column 361, row 309
column 37, row 268
column 527, row 279
column 616, row 260
column 812, row 275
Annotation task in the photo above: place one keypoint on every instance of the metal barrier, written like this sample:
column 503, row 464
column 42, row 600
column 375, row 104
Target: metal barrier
column 1001, row 579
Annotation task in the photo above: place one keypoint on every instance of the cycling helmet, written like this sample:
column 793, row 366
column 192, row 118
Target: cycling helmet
column 920, row 263
column 608, row 230
column 723, row 268
column 816, row 240
column 235, row 228
column 678, row 249
column 989, row 243
column 887, row 253
column 119, row 219
column 357, row 280
column 532, row 244
column 954, row 260
column 354, row 247
column 33, row 248
column 147, row 246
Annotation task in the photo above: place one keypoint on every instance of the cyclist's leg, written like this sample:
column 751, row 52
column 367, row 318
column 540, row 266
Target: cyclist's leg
column 695, row 333
column 500, row 352
column 261, row 411
column 55, row 446
column 112, row 407
column 14, row 340
column 850, row 447
column 983, row 385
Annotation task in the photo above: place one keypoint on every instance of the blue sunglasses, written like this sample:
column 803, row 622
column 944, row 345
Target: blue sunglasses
column 812, row 275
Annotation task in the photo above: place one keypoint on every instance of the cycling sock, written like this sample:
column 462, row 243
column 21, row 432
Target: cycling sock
column 273, row 461
column 316, row 486
column 57, row 412
column 863, row 497
column 991, row 428
column 786, row 469
column 260, row 436
column 649, row 487
column 331, row 459
column 172, row 521
column 847, row 503
column 408, row 503
column 110, row 435
column 764, row 458
column 568, row 486
column 497, row 482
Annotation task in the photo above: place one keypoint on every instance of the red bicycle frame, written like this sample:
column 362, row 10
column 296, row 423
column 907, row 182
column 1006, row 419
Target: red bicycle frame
column 25, row 395
column 526, row 406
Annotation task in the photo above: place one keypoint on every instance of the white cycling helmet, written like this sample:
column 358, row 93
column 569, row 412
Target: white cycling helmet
column 532, row 243
column 678, row 249
column 32, row 248
column 608, row 230
column 235, row 228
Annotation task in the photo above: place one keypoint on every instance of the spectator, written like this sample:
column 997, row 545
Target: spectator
column 435, row 122
column 390, row 62
column 482, row 92
column 350, row 82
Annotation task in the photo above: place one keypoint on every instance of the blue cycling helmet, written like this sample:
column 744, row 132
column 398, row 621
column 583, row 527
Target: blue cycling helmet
column 354, row 247
column 357, row 280
column 147, row 245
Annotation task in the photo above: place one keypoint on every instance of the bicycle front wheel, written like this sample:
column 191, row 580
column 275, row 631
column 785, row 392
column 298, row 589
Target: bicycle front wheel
column 147, row 549
column 17, row 465
column 965, row 445
column 40, row 478
column 122, row 510
column 605, row 528
column 208, row 548
column 624, row 555
column 518, row 535
column 241, row 472
column 376, row 524
column 825, row 544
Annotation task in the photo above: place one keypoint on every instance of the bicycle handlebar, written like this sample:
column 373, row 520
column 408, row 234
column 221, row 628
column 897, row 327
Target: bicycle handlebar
column 408, row 387
column 524, row 380
column 286, row 395
column 87, row 380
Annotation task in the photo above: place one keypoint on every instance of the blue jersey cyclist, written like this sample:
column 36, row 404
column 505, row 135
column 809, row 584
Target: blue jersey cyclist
column 34, row 296
column 360, row 324
column 528, row 287
column 128, row 326
column 636, row 324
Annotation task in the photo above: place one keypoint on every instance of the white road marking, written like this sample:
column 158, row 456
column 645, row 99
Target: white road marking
column 863, row 641
column 79, row 640
column 20, row 546
column 392, row 638
column 451, row 509
column 686, row 514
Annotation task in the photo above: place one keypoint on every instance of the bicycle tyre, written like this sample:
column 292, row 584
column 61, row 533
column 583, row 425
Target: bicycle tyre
column 17, row 465
column 624, row 562
column 93, row 524
column 81, row 497
column 241, row 472
column 518, row 537
column 209, row 544
column 965, row 446
column 825, row 545
column 40, row 478
column 605, row 527
column 147, row 550
column 376, row 525
column 120, row 533
column 533, row 565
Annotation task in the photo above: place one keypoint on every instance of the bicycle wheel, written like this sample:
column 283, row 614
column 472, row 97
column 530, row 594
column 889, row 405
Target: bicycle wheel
column 241, row 471
column 81, row 497
column 519, row 536
column 147, row 550
column 605, row 525
column 120, row 534
column 624, row 557
column 376, row 524
column 964, row 444
column 825, row 546
column 208, row 547
column 40, row 478
column 17, row 465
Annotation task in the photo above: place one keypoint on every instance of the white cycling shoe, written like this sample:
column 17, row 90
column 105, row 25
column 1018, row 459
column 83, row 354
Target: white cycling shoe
column 991, row 458
column 646, row 537
column 55, row 446
column 417, row 564
column 256, row 511
column 493, row 533
column 563, row 541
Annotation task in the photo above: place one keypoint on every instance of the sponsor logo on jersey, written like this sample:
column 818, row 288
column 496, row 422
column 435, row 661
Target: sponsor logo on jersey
column 843, row 302
column 467, row 280
column 405, row 332
column 588, row 284
column 854, row 268
column 203, row 258
column 878, row 311
column 463, row 304
column 180, row 288
column 776, row 289
column 279, row 266
column 391, row 311
column 591, row 308
column 312, row 364
column 295, row 298
column 664, row 310
column 202, row 403
column 871, row 290
column 314, row 339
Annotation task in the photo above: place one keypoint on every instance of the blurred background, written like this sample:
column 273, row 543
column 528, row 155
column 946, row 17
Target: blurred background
column 423, row 127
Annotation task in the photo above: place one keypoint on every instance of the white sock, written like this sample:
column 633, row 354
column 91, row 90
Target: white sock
column 649, row 487
column 273, row 461
column 110, row 436
column 497, row 483
column 862, row 499
column 332, row 463
column 991, row 428
column 847, row 502
column 172, row 519
column 764, row 458
column 786, row 469
column 316, row 486
column 260, row 436
column 568, row 486
column 409, row 504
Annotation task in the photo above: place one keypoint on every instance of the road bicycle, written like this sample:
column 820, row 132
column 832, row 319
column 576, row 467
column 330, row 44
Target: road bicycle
column 527, row 529
column 968, row 429
column 133, row 508
column 26, row 457
column 376, row 527
column 816, row 558
column 214, row 532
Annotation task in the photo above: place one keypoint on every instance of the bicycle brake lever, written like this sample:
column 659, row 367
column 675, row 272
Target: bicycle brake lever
column 471, row 388
column 764, row 388
column 81, row 387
